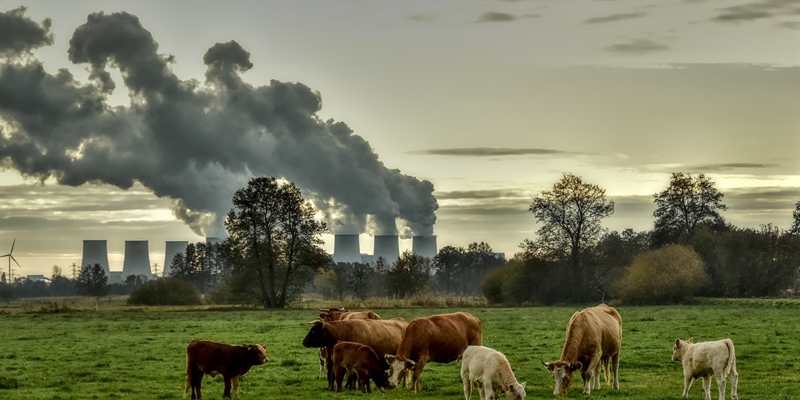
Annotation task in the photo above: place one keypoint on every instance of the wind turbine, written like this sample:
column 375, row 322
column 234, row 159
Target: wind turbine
column 11, row 257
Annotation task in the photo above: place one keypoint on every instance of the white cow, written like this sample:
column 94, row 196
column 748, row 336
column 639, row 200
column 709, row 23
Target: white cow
column 492, row 374
column 704, row 359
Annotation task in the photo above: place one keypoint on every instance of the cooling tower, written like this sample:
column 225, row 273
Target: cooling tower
column 213, row 240
column 346, row 249
column 424, row 246
column 172, row 249
column 95, row 252
column 388, row 247
column 137, row 258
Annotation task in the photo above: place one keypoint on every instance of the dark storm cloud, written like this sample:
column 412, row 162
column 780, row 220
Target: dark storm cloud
column 492, row 16
column 194, row 143
column 490, row 152
column 615, row 17
column 758, row 10
column 20, row 34
column 637, row 46
column 480, row 194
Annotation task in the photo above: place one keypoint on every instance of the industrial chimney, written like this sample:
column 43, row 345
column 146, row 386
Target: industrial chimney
column 346, row 249
column 388, row 247
column 95, row 252
column 424, row 246
column 173, row 248
column 137, row 258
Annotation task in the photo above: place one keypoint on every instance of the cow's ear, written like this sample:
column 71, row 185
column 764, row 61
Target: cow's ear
column 550, row 367
column 576, row 366
column 677, row 343
column 690, row 340
column 410, row 364
column 389, row 358
column 523, row 385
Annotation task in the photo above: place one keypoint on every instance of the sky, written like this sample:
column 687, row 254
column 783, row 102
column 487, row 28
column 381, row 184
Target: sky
column 125, row 120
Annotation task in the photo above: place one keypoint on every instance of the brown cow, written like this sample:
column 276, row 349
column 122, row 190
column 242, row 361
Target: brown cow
column 382, row 335
column 207, row 357
column 594, row 336
column 438, row 338
column 356, row 359
column 343, row 314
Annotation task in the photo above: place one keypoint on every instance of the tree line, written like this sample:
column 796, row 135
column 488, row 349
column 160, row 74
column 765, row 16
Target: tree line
column 273, row 255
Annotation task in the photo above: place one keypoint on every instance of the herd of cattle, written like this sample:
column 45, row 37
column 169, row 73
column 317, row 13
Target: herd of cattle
column 351, row 344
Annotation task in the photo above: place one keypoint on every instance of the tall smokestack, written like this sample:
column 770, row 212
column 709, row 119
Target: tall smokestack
column 424, row 246
column 388, row 247
column 95, row 252
column 346, row 249
column 137, row 258
column 173, row 248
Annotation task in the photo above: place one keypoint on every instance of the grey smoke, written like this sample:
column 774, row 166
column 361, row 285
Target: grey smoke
column 193, row 143
column 20, row 34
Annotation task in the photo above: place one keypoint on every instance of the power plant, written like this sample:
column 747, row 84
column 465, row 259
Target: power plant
column 388, row 247
column 346, row 249
column 173, row 248
column 137, row 259
column 424, row 246
column 95, row 252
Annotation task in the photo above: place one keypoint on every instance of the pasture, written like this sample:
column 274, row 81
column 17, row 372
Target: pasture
column 136, row 353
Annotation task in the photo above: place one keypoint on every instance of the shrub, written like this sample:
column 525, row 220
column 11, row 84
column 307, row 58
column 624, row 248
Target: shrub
column 162, row 292
column 492, row 287
column 668, row 275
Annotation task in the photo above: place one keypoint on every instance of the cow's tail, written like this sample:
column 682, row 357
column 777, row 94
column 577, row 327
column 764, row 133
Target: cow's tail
column 188, row 377
column 731, row 357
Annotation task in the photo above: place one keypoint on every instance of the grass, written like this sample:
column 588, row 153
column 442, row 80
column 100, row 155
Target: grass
column 139, row 353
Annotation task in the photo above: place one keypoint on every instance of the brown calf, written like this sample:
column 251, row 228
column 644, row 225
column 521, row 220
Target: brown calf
column 207, row 357
column 359, row 360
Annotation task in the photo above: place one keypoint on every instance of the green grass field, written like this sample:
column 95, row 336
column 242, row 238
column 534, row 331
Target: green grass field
column 139, row 353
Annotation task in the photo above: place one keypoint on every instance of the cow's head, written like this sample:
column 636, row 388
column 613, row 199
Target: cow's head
column 382, row 381
column 257, row 354
column 397, row 365
column 563, row 373
column 516, row 391
column 679, row 348
column 317, row 336
column 332, row 314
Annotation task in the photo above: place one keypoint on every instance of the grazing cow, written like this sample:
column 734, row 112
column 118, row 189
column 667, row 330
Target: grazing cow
column 594, row 336
column 323, row 360
column 704, row 359
column 382, row 335
column 343, row 314
column 438, row 338
column 491, row 373
column 361, row 361
column 207, row 357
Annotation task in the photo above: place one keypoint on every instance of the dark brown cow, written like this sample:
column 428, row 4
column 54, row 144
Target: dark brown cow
column 343, row 314
column 382, row 335
column 360, row 360
column 438, row 338
column 207, row 357
column 594, row 336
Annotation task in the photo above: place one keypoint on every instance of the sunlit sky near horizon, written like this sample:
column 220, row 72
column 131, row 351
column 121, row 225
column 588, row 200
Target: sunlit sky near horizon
column 490, row 101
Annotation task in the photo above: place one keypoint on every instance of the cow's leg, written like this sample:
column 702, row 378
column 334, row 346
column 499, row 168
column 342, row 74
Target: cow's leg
column 734, row 381
column 329, row 365
column 596, row 379
column 615, row 369
column 197, row 380
column 467, row 383
column 707, row 386
column 481, row 392
column 687, row 383
column 415, row 385
column 488, row 389
column 721, row 384
column 590, row 373
column 227, row 392
column 339, row 376
column 235, row 383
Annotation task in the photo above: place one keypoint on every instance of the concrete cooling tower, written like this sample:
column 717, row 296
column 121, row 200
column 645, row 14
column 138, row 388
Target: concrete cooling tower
column 173, row 248
column 95, row 252
column 424, row 246
column 137, row 258
column 388, row 247
column 346, row 249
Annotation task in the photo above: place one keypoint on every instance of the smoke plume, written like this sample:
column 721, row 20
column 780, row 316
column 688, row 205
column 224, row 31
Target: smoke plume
column 193, row 142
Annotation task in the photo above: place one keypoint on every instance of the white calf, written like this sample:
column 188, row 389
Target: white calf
column 704, row 359
column 492, row 374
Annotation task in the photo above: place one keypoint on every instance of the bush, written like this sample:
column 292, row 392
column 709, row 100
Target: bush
column 492, row 287
column 668, row 275
column 163, row 292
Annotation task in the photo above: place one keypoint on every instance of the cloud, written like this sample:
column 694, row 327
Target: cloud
column 614, row 17
column 192, row 143
column 758, row 10
column 20, row 34
column 711, row 168
column 491, row 152
column 492, row 16
column 637, row 46
column 422, row 17
column 480, row 194
column 789, row 25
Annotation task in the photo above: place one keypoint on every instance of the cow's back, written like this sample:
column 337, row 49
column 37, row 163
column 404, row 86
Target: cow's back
column 383, row 336
column 443, row 337
column 592, row 329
